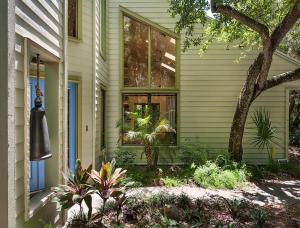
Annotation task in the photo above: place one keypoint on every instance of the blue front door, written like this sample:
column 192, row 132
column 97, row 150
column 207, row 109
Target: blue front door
column 37, row 171
column 72, row 125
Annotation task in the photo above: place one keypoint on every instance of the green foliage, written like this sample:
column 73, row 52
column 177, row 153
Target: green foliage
column 184, row 201
column 172, row 181
column 235, row 206
column 193, row 152
column 125, row 158
column 211, row 175
column 260, row 218
column 265, row 134
column 221, row 28
column 169, row 223
column 107, row 179
column 149, row 129
column 77, row 189
column 85, row 182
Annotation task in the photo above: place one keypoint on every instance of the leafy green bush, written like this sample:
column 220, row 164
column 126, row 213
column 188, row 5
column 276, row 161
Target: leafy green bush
column 211, row 175
column 124, row 158
column 260, row 218
column 172, row 181
column 193, row 152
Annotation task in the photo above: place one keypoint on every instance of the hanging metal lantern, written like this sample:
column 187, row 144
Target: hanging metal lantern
column 39, row 136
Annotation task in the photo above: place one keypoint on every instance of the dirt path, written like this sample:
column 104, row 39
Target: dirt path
column 269, row 192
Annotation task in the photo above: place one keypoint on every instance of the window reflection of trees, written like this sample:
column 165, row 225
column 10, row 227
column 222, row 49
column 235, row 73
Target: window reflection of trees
column 163, row 56
column 135, row 53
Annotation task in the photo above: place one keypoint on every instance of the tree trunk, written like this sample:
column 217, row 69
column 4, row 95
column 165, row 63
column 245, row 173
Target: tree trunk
column 235, row 147
column 238, row 127
column 148, row 153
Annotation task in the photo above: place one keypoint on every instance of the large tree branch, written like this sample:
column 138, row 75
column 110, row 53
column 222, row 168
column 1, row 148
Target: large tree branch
column 282, row 78
column 228, row 11
column 272, row 44
column 277, row 80
column 286, row 24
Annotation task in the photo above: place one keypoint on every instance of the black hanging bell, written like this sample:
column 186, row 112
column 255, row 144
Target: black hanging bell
column 39, row 136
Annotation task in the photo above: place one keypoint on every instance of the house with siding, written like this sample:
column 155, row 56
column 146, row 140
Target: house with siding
column 100, row 59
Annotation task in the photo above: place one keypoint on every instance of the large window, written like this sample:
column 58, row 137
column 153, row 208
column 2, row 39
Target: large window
column 149, row 56
column 74, row 23
column 163, row 106
column 149, row 64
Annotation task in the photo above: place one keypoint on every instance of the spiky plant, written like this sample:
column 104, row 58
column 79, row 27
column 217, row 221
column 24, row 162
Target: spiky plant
column 76, row 190
column 265, row 134
column 148, row 128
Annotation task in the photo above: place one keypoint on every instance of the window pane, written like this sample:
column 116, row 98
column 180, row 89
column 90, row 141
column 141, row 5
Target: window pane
column 135, row 53
column 132, row 103
column 167, row 109
column 103, row 28
column 163, row 60
column 160, row 107
column 72, row 20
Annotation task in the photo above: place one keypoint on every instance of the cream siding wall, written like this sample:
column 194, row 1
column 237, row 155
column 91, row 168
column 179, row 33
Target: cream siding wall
column 42, row 22
column 80, row 64
column 209, row 86
column 85, row 62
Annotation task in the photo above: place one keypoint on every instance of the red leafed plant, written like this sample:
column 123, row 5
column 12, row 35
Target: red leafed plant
column 107, row 179
column 76, row 190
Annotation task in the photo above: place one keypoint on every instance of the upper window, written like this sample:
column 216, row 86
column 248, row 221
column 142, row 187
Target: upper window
column 74, row 30
column 103, row 28
column 149, row 56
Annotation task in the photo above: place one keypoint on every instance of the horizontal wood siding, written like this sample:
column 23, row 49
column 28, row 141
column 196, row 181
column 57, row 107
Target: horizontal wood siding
column 85, row 61
column 101, row 80
column 42, row 22
column 209, row 86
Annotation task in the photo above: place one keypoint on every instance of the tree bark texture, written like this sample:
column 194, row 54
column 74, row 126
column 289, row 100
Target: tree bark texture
column 257, row 77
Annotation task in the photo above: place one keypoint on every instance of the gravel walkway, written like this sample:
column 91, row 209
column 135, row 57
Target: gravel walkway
column 269, row 192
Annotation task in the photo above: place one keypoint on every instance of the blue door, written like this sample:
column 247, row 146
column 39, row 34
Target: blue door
column 37, row 171
column 72, row 125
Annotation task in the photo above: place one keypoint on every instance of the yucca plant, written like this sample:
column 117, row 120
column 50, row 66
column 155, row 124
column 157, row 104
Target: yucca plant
column 106, row 181
column 76, row 190
column 149, row 129
column 265, row 134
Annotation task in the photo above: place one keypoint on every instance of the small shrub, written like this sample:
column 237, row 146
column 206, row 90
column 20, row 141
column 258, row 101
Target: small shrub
column 124, row 158
column 234, row 206
column 260, row 218
column 211, row 175
column 193, row 152
column 166, row 222
column 264, row 136
column 171, row 181
column 184, row 201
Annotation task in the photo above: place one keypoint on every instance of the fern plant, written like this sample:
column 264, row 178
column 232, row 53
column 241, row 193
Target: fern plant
column 265, row 134
column 148, row 128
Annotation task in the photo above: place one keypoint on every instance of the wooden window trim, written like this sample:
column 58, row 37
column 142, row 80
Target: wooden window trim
column 78, row 37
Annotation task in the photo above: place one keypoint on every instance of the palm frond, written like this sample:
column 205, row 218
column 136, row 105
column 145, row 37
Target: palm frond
column 134, row 135
column 143, row 122
column 265, row 134
column 164, row 126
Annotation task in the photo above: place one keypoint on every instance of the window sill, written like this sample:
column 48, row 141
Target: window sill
column 38, row 201
column 142, row 146
column 75, row 40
